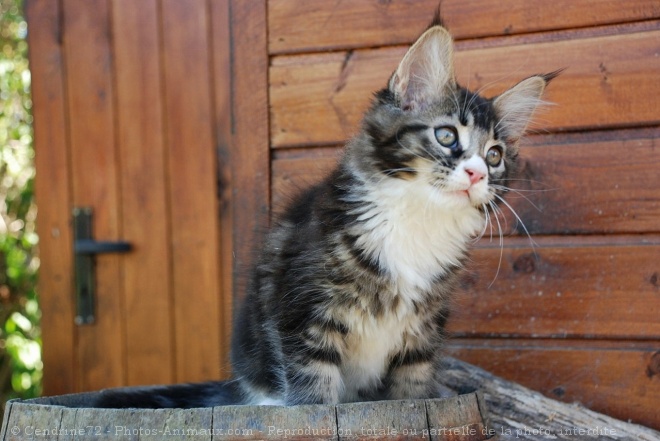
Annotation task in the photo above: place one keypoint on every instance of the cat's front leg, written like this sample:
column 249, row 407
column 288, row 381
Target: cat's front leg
column 312, row 374
column 413, row 374
column 313, row 383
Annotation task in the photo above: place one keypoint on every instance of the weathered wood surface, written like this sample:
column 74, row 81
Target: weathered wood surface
column 313, row 25
column 275, row 422
column 501, row 409
column 518, row 413
column 403, row 420
column 616, row 378
column 455, row 418
column 318, row 99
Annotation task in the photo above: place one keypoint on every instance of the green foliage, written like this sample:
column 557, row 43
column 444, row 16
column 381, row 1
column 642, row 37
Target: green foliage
column 20, row 342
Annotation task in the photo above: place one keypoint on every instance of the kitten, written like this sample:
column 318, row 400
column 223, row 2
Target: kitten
column 349, row 299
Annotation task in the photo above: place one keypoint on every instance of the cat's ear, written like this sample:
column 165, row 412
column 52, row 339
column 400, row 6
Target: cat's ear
column 426, row 71
column 516, row 106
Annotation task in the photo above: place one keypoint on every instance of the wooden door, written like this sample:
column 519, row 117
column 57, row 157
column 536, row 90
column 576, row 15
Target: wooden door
column 133, row 119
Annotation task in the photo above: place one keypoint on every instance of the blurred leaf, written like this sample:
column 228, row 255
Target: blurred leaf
column 20, row 339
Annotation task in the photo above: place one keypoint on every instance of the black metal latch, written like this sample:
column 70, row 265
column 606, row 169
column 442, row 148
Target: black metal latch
column 85, row 248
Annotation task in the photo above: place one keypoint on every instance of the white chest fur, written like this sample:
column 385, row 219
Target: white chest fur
column 416, row 232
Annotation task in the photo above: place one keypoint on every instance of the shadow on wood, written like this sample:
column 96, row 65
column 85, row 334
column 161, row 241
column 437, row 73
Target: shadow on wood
column 514, row 413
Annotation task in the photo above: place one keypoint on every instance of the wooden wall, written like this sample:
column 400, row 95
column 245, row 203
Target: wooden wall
column 576, row 315
column 185, row 124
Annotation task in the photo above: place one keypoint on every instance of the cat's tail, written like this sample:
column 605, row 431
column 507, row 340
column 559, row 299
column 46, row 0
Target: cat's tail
column 185, row 396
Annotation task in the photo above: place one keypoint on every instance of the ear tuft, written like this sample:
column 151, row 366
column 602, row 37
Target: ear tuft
column 437, row 18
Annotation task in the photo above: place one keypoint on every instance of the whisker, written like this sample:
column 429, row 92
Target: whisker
column 499, row 263
column 531, row 181
column 500, row 214
column 501, row 187
column 486, row 220
column 534, row 244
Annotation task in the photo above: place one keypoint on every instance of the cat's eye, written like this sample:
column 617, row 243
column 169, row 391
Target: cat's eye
column 447, row 137
column 494, row 156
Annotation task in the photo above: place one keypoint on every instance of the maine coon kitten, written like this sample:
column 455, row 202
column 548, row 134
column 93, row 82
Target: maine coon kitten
column 350, row 297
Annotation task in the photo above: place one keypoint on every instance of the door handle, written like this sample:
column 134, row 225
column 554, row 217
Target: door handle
column 85, row 249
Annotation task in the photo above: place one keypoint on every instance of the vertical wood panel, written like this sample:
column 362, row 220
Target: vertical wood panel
column 250, row 147
column 53, row 195
column 94, row 171
column 192, row 187
column 144, row 209
column 221, row 29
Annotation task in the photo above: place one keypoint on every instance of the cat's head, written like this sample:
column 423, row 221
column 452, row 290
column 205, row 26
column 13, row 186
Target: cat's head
column 425, row 128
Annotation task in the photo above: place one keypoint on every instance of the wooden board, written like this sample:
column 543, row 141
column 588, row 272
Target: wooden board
column 53, row 195
column 403, row 420
column 221, row 58
column 194, row 228
column 620, row 379
column 596, row 287
column 556, row 170
column 250, row 151
column 582, row 184
column 95, row 184
column 144, row 199
column 312, row 25
column 318, row 99
column 457, row 418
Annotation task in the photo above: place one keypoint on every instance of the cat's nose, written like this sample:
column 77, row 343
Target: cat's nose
column 474, row 175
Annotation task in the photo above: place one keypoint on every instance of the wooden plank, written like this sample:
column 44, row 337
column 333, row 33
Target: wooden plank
column 250, row 155
column 180, row 424
column 550, row 196
column 505, row 411
column 291, row 176
column 547, row 202
column 221, row 55
column 313, row 25
column 319, row 99
column 24, row 421
column 192, row 189
column 53, row 195
column 147, row 285
column 566, row 287
column 396, row 420
column 618, row 379
column 308, row 422
column 458, row 418
column 94, row 171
